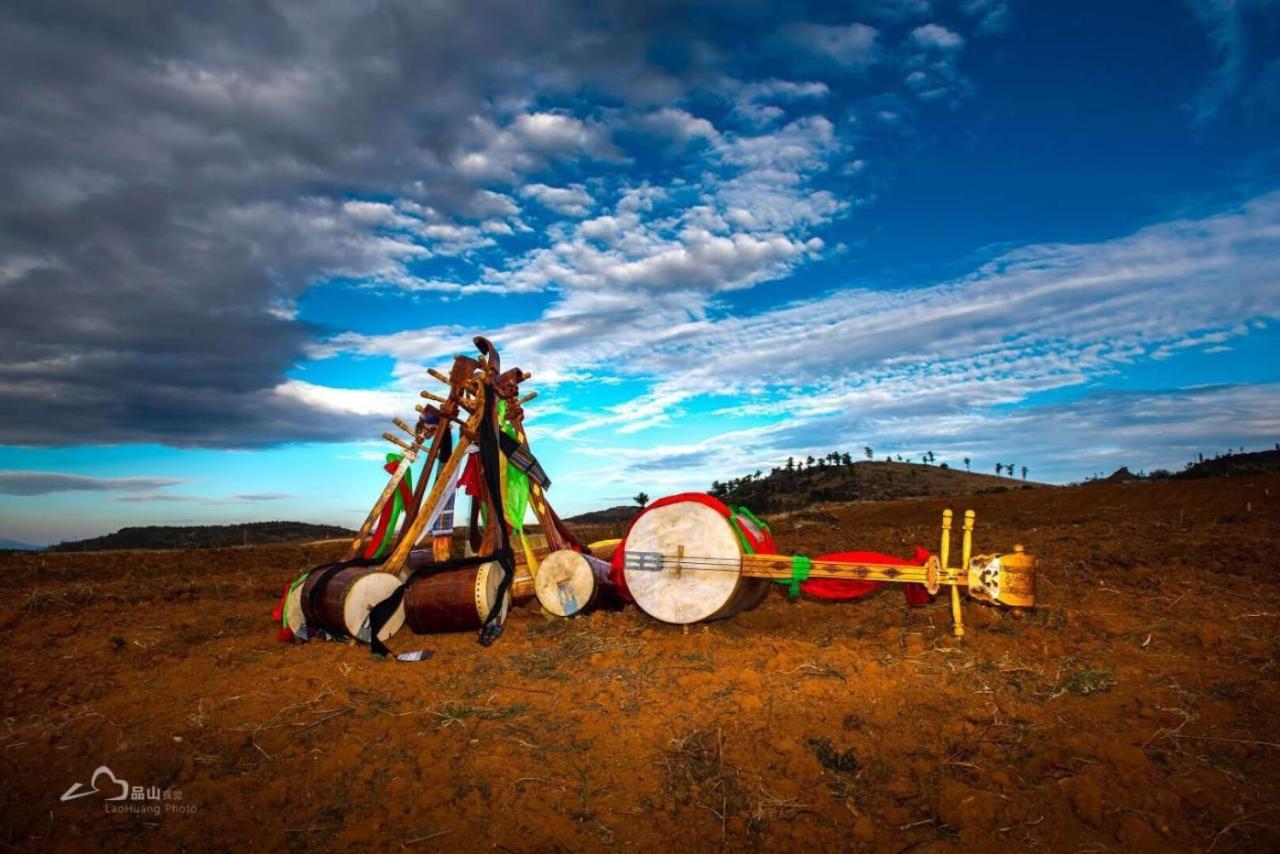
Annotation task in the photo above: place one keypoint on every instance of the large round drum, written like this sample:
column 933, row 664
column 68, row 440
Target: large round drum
column 699, row 552
column 569, row 582
column 455, row 600
column 342, row 607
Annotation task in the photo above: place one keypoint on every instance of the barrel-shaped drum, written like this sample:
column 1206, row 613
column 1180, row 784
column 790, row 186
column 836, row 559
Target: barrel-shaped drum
column 569, row 583
column 698, row 549
column 342, row 606
column 454, row 600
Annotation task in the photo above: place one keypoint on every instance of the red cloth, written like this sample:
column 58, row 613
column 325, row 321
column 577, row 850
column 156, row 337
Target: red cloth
column 278, row 616
column 388, row 509
column 470, row 480
column 842, row 590
column 760, row 539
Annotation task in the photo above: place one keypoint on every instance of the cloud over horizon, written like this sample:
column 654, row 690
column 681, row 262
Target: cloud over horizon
column 250, row 228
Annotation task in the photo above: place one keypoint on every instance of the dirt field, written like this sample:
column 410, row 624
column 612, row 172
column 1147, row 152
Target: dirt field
column 1136, row 709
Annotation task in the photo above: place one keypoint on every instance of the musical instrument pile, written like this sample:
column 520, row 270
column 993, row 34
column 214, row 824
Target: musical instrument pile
column 685, row 559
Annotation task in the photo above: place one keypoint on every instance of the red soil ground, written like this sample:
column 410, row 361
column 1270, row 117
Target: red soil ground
column 1135, row 709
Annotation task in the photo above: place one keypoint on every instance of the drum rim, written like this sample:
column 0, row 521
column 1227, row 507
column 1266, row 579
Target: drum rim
column 488, row 581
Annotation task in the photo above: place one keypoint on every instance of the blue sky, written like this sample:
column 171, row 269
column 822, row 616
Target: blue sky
column 1045, row 234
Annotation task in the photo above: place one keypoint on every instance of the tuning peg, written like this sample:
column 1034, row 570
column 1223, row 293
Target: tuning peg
column 405, row 427
column 439, row 376
column 410, row 452
column 528, row 397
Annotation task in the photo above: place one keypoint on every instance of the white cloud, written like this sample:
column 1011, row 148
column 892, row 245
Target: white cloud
column 676, row 125
column 527, row 144
column 1224, row 28
column 936, row 37
column 851, row 45
column 350, row 401
column 930, row 362
column 757, row 101
column 572, row 201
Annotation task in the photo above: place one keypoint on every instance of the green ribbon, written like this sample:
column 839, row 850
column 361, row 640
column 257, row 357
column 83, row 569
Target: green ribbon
column 759, row 523
column 516, row 489
column 800, row 567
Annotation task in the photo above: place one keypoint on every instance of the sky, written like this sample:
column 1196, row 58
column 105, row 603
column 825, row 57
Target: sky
column 234, row 236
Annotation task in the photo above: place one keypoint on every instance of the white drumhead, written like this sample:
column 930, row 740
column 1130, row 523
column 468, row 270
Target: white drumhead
column 487, row 580
column 366, row 592
column 692, row 594
column 565, row 583
column 293, row 604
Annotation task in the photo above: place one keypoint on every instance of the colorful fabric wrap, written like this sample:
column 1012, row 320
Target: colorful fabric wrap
column 800, row 567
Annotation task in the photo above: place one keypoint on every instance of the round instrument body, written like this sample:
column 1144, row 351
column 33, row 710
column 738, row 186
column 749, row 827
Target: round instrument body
column 569, row 583
column 706, row 587
column 342, row 607
column 455, row 600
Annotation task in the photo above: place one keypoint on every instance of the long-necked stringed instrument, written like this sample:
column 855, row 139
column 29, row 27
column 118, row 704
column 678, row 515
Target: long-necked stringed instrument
column 684, row 562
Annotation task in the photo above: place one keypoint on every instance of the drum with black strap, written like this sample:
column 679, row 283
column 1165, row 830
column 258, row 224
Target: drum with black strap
column 341, row 608
column 706, row 586
column 569, row 583
column 454, row 600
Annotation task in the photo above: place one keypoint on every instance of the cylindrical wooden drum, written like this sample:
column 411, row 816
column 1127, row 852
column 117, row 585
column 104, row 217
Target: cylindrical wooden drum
column 570, row 582
column 521, row 585
column 455, row 600
column 342, row 607
column 697, row 580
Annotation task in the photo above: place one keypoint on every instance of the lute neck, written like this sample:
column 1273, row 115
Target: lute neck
column 781, row 567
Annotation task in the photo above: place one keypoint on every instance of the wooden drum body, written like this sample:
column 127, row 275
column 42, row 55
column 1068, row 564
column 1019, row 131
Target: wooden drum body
column 569, row 583
column 703, row 588
column 342, row 607
column 455, row 600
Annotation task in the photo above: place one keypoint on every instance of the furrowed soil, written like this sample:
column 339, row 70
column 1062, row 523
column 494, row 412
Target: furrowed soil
column 1135, row 709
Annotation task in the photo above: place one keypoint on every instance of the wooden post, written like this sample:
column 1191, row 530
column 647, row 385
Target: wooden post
column 398, row 475
column 966, row 547
column 944, row 552
column 447, row 474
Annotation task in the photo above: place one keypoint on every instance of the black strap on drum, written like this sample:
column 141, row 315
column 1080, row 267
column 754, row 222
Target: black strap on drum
column 327, row 572
column 490, row 466
column 381, row 613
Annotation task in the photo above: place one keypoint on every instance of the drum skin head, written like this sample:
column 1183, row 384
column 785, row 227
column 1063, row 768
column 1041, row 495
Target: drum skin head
column 565, row 583
column 293, row 606
column 693, row 594
column 487, row 580
column 363, row 595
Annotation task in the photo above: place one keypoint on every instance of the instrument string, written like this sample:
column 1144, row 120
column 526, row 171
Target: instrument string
column 714, row 564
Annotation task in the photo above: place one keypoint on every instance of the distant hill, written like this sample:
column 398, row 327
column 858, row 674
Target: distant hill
column 15, row 546
column 205, row 536
column 620, row 515
column 857, row 481
column 1258, row 462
